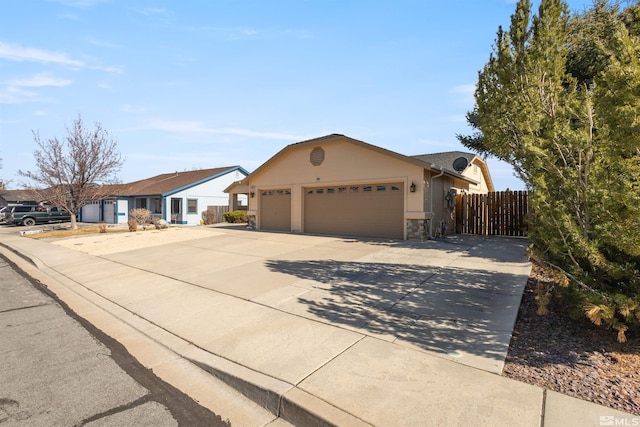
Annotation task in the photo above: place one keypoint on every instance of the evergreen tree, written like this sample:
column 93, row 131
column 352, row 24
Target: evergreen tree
column 559, row 100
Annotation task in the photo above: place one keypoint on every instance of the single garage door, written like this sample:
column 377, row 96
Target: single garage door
column 369, row 210
column 275, row 210
column 91, row 212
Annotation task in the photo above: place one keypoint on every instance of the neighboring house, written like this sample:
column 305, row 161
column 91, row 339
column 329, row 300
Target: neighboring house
column 341, row 186
column 178, row 197
column 19, row 197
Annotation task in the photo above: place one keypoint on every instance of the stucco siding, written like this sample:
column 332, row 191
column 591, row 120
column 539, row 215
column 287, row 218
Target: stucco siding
column 342, row 162
column 336, row 163
column 474, row 171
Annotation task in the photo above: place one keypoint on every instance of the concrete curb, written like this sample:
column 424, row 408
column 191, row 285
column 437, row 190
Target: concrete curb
column 283, row 399
column 34, row 261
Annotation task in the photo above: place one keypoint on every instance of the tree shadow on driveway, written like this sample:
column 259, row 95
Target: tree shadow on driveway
column 439, row 309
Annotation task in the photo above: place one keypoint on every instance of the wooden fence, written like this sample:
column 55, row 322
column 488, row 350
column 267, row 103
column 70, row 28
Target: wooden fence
column 215, row 214
column 502, row 213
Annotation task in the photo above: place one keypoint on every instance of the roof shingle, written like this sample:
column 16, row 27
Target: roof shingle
column 167, row 182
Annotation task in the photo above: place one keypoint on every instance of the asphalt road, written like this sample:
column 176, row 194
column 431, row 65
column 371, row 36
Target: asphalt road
column 57, row 369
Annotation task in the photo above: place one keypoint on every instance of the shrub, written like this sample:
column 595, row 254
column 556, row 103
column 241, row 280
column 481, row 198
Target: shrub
column 133, row 224
column 102, row 227
column 209, row 217
column 141, row 216
column 236, row 216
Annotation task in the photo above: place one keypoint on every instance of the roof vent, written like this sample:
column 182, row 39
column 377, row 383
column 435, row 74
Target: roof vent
column 460, row 164
column 317, row 156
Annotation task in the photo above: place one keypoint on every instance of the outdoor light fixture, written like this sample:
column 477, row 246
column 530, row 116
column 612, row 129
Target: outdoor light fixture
column 412, row 187
column 252, row 194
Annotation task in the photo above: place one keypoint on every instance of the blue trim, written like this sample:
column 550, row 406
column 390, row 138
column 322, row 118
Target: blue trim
column 193, row 184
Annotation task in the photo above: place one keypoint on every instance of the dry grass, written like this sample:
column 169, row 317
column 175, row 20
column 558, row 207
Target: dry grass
column 70, row 233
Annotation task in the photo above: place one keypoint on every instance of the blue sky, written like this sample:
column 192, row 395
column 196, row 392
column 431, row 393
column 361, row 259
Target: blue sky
column 198, row 84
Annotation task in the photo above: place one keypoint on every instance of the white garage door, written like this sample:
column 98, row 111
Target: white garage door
column 275, row 210
column 91, row 212
column 369, row 210
column 109, row 211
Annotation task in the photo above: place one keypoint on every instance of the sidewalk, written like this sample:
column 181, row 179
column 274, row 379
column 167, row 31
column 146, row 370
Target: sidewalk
column 252, row 310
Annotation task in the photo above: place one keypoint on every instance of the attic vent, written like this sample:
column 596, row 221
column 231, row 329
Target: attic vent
column 317, row 156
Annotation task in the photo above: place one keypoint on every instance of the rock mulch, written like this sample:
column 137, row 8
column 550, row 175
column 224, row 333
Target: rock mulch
column 573, row 357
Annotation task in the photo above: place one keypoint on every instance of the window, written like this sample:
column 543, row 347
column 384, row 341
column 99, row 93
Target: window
column 141, row 203
column 366, row 188
column 192, row 206
column 381, row 188
column 395, row 188
column 330, row 190
column 156, row 205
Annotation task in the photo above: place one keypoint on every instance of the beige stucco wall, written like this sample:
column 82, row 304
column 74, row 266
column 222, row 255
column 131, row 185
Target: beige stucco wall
column 344, row 163
column 474, row 171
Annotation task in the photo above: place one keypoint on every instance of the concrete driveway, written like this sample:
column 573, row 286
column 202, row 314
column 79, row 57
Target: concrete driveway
column 457, row 298
column 316, row 330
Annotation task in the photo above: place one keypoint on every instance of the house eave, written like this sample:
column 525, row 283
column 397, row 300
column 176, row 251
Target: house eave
column 202, row 181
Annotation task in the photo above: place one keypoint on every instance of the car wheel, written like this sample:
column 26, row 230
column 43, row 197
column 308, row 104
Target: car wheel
column 29, row 221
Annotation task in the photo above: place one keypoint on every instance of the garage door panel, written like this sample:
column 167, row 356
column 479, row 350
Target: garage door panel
column 374, row 210
column 275, row 210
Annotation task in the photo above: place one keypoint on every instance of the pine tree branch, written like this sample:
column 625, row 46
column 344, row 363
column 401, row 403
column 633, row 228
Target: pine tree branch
column 579, row 282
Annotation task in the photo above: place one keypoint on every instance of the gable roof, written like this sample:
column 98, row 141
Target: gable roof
column 445, row 160
column 170, row 183
column 338, row 137
column 20, row 196
column 415, row 160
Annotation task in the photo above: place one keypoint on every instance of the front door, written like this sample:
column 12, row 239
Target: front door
column 176, row 211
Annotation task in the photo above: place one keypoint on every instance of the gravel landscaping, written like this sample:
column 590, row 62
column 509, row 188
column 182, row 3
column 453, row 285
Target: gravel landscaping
column 572, row 357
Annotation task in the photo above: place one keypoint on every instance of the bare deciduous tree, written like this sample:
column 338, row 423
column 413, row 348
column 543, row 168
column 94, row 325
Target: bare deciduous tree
column 72, row 173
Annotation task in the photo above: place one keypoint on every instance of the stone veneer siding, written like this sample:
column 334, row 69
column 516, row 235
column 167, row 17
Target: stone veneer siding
column 417, row 229
column 252, row 221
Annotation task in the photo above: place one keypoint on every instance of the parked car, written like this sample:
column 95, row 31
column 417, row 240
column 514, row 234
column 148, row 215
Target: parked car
column 32, row 215
column 3, row 213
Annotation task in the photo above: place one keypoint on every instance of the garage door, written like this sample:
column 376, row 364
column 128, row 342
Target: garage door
column 91, row 212
column 275, row 210
column 370, row 210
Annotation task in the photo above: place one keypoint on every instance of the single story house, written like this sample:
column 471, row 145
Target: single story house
column 338, row 185
column 177, row 197
column 19, row 197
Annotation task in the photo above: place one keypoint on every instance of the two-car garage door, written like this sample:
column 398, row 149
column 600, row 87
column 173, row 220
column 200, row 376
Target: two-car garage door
column 368, row 210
